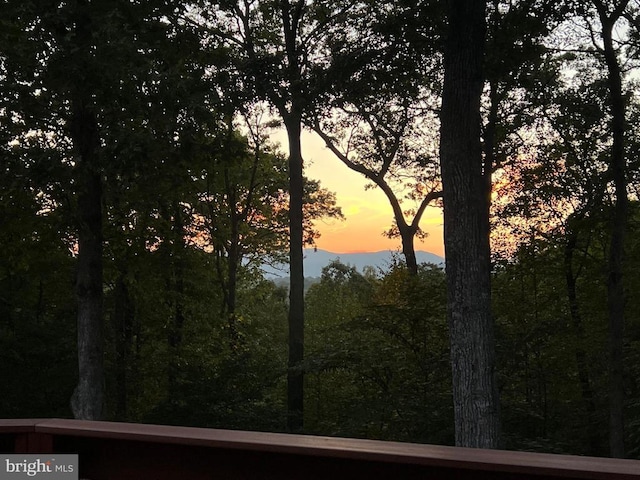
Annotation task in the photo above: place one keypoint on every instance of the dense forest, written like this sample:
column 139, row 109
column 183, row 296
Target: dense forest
column 140, row 193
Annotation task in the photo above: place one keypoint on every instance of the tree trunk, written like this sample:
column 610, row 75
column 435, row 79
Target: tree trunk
column 615, row 285
column 295, row 378
column 123, row 326
column 233, row 263
column 593, row 432
column 176, row 291
column 407, row 235
column 490, row 142
column 466, row 230
column 88, row 397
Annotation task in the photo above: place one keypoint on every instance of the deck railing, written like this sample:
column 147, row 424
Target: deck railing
column 121, row 451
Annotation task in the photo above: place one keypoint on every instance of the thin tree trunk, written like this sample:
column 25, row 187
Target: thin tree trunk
column 236, row 342
column 290, row 110
column 593, row 432
column 233, row 259
column 466, row 230
column 123, row 326
column 615, row 284
column 615, row 301
column 175, row 333
column 173, row 250
column 489, row 141
column 295, row 378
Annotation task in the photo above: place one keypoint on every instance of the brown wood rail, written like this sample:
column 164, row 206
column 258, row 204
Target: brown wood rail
column 121, row 451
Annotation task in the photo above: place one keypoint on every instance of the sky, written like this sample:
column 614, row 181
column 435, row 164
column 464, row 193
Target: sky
column 368, row 213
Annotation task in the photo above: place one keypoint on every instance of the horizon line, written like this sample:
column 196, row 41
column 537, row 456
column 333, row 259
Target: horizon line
column 367, row 251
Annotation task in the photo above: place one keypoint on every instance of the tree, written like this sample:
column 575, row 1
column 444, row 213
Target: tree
column 558, row 190
column 73, row 68
column 466, row 230
column 244, row 208
column 609, row 17
column 596, row 173
column 277, row 49
column 380, row 118
column 63, row 36
column 514, row 67
column 381, row 145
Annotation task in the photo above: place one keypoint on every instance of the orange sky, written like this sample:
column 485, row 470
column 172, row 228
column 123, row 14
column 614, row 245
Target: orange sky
column 367, row 212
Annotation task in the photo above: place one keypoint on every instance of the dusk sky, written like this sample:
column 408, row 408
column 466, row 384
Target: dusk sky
column 367, row 212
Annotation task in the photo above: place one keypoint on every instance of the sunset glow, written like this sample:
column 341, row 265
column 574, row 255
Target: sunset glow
column 367, row 211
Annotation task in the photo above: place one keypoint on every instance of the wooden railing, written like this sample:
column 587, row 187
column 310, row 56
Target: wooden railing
column 122, row 451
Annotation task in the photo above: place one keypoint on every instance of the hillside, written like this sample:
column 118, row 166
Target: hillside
column 316, row 260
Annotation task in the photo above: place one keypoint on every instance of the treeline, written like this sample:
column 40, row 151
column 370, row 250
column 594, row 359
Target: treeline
column 139, row 189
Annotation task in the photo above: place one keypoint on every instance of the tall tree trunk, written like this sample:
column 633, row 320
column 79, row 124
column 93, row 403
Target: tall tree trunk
column 88, row 397
column 295, row 377
column 291, row 113
column 593, row 432
column 466, row 230
column 176, row 261
column 233, row 261
column 615, row 285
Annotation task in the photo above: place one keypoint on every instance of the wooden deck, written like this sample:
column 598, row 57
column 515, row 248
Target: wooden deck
column 110, row 450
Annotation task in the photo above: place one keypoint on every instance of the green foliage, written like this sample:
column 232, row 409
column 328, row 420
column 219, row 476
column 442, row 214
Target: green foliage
column 545, row 402
column 378, row 361
column 217, row 386
column 37, row 328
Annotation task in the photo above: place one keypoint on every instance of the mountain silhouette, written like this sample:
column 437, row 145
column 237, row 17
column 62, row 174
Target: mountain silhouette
column 316, row 260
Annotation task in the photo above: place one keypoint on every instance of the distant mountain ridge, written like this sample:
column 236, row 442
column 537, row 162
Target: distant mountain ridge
column 316, row 260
